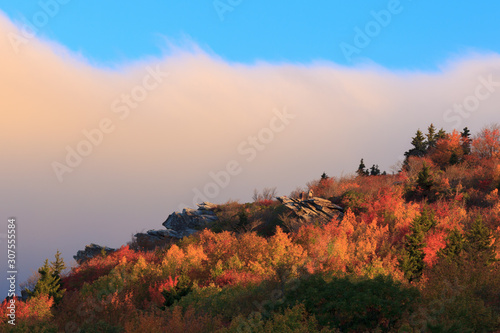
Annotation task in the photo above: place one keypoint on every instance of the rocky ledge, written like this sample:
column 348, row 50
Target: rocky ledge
column 189, row 221
column 313, row 207
column 91, row 251
column 179, row 225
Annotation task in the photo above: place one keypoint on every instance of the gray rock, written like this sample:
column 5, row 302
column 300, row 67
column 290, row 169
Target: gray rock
column 179, row 225
column 91, row 251
column 313, row 207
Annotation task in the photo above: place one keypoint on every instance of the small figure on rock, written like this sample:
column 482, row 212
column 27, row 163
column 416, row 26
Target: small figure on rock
column 310, row 194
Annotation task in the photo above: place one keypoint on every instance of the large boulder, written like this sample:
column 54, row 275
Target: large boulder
column 313, row 207
column 91, row 251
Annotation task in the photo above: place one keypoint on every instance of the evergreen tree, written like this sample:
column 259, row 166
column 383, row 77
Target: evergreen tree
column 454, row 158
column 58, row 266
column 361, row 169
column 412, row 262
column 431, row 137
column 454, row 245
column 374, row 170
column 466, row 141
column 478, row 242
column 424, row 179
column 419, row 145
column 441, row 134
column 49, row 282
column 324, row 176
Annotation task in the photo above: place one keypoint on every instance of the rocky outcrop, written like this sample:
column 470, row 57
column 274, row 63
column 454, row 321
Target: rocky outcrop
column 179, row 225
column 190, row 220
column 91, row 251
column 313, row 207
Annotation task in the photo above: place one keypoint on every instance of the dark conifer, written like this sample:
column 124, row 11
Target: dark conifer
column 466, row 141
column 361, row 169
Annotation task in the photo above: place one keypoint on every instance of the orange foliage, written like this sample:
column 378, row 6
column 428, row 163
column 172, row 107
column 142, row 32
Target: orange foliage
column 173, row 259
column 282, row 252
column 433, row 244
column 220, row 246
column 125, row 287
column 487, row 144
column 34, row 310
column 352, row 244
column 446, row 148
column 323, row 187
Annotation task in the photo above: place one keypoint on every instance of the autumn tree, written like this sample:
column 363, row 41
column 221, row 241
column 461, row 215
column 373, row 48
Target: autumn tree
column 487, row 143
column 268, row 193
column 449, row 150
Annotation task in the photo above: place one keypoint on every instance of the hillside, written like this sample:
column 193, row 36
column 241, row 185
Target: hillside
column 413, row 251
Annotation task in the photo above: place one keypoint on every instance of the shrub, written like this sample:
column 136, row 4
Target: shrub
column 354, row 304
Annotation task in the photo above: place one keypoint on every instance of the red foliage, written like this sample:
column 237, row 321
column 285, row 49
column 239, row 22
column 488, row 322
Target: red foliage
column 322, row 187
column 32, row 311
column 266, row 202
column 155, row 292
column 484, row 185
column 96, row 267
column 434, row 243
column 231, row 277
column 487, row 144
column 387, row 202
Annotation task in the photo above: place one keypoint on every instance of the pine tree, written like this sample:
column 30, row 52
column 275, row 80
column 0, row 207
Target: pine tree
column 58, row 266
column 374, row 170
column 478, row 242
column 441, row 134
column 454, row 158
column 424, row 179
column 412, row 262
column 466, row 141
column 49, row 282
column 361, row 169
column 431, row 137
column 454, row 245
column 324, row 176
column 419, row 145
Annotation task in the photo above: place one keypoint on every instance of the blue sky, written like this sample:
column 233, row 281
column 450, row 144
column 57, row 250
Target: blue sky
column 421, row 35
